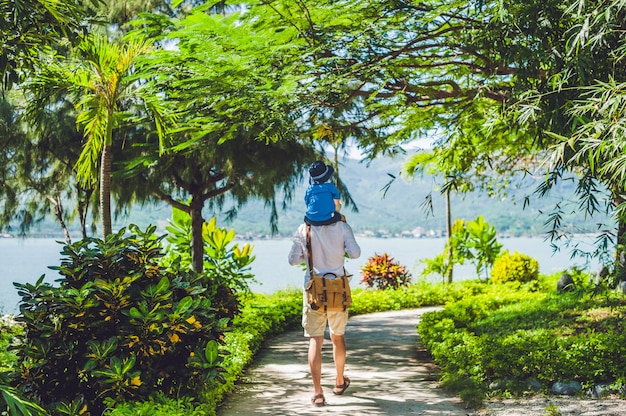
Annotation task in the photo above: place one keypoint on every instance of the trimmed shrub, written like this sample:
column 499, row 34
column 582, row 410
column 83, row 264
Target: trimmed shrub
column 497, row 341
column 516, row 267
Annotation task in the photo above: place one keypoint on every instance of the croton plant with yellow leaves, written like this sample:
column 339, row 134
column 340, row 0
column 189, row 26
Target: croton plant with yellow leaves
column 125, row 320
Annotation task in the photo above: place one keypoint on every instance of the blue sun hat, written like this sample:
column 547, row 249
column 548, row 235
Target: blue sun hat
column 320, row 172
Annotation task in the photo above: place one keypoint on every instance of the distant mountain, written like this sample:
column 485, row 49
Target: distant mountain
column 399, row 210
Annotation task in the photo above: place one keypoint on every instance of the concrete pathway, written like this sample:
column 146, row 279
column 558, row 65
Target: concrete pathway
column 390, row 375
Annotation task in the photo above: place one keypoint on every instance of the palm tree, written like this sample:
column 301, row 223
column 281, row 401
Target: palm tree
column 102, row 80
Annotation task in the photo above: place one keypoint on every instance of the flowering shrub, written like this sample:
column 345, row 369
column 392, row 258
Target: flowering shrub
column 382, row 272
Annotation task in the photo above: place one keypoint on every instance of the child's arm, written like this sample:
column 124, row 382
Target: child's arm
column 337, row 204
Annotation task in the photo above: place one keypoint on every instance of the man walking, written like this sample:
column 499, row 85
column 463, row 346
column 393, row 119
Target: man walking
column 328, row 245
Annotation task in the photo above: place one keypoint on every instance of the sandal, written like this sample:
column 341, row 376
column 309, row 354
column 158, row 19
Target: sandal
column 317, row 403
column 340, row 388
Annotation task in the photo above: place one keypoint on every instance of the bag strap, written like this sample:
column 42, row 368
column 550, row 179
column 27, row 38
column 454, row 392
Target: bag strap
column 309, row 250
column 309, row 254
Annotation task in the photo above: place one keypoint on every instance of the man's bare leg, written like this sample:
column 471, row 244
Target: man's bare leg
column 315, row 364
column 339, row 355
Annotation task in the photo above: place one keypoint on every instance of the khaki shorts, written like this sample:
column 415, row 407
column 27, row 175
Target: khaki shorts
column 314, row 322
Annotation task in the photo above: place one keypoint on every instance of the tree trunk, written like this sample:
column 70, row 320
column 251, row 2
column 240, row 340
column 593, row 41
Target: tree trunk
column 620, row 246
column 336, row 165
column 105, row 190
column 449, row 231
column 197, row 244
column 84, row 196
column 58, row 211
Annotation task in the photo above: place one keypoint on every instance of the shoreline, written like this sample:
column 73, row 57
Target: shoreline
column 369, row 235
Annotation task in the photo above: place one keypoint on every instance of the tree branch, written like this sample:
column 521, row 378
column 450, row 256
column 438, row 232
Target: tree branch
column 171, row 201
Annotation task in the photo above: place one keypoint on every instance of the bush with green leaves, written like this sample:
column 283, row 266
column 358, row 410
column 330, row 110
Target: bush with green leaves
column 514, row 332
column 262, row 317
column 382, row 271
column 474, row 241
column 419, row 294
column 226, row 264
column 120, row 325
column 514, row 267
column 14, row 402
column 9, row 332
column 160, row 404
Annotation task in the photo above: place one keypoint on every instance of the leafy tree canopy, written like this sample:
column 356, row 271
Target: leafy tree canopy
column 494, row 84
column 236, row 134
column 29, row 27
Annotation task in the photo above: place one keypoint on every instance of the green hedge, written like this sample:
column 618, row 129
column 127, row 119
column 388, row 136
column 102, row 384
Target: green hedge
column 512, row 333
column 417, row 295
column 265, row 316
column 485, row 333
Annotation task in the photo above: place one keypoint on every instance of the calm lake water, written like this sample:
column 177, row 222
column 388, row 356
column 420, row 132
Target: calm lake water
column 25, row 260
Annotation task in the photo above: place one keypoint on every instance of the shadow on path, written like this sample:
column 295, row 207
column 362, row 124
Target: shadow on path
column 389, row 374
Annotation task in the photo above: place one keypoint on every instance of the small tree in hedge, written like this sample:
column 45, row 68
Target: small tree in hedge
column 382, row 272
column 477, row 242
column 121, row 326
column 514, row 267
column 474, row 241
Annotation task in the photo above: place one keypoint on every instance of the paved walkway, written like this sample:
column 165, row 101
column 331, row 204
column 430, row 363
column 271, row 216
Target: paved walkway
column 389, row 374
